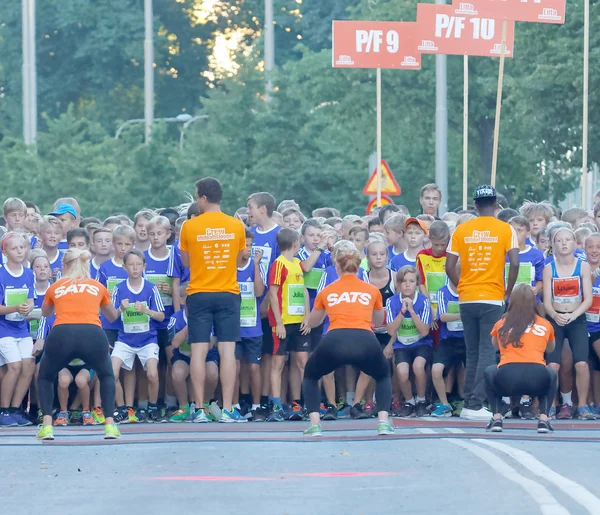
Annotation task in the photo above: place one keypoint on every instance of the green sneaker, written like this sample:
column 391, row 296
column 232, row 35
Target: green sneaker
column 46, row 433
column 181, row 415
column 384, row 428
column 457, row 407
column 111, row 432
column 314, row 431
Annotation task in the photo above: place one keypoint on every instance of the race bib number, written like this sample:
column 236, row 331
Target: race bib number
column 434, row 282
column 167, row 299
column 566, row 290
column 77, row 363
column 295, row 299
column 134, row 322
column 408, row 333
column 592, row 315
column 313, row 278
column 248, row 305
column 14, row 297
column 265, row 261
column 112, row 282
column 185, row 348
column 34, row 324
column 526, row 273
column 457, row 325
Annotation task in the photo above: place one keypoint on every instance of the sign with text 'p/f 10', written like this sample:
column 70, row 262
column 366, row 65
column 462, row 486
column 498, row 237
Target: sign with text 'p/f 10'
column 443, row 31
column 376, row 44
column 536, row 11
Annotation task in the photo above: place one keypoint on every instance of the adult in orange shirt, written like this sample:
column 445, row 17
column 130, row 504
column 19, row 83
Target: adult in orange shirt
column 482, row 245
column 211, row 247
column 522, row 338
column 352, row 307
column 77, row 333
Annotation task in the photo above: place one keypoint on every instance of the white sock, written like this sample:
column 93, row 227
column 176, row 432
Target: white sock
column 420, row 399
column 506, row 400
column 255, row 406
column 411, row 401
column 566, row 397
column 525, row 398
column 237, row 406
column 350, row 398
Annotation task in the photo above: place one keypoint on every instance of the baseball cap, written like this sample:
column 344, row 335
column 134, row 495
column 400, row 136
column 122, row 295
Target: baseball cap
column 420, row 223
column 62, row 209
column 484, row 191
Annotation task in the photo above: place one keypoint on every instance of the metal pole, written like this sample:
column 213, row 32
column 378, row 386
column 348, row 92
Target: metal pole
column 28, row 71
column 465, row 130
column 148, row 69
column 379, row 137
column 441, row 127
column 499, row 103
column 269, row 43
column 586, row 63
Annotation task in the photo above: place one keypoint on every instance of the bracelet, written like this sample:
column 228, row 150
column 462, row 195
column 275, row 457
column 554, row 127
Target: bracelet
column 318, row 249
column 151, row 313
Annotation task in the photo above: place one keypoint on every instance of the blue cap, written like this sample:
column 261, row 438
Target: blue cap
column 61, row 209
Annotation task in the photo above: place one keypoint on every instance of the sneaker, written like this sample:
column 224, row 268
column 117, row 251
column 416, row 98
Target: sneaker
column 544, row 427
column 332, row 413
column 495, row 425
column 595, row 410
column 408, row 410
column 296, row 412
column 442, row 410
column 315, row 430
column 131, row 416
column 88, row 420
column 111, row 432
column 121, row 415
column 526, row 411
column 231, row 417
column 181, row 415
column 98, row 415
column 322, row 410
column 198, row 417
column 479, row 414
column 214, row 411
column 585, row 413
column 142, row 415
column 344, row 411
column 565, row 412
column 6, row 420
column 259, row 414
column 421, row 409
column 155, row 416
column 40, row 418
column 357, row 412
column 20, row 419
column 369, row 409
column 276, row 414
column 76, row 418
column 552, row 413
column 458, row 406
column 45, row 433
column 396, row 407
column 384, row 429
column 62, row 419
column 513, row 413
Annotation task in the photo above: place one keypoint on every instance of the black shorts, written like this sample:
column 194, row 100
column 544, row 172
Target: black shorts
column 162, row 339
column 249, row 350
column 383, row 339
column 267, row 338
column 577, row 334
column 594, row 359
column 111, row 335
column 294, row 341
column 409, row 354
column 316, row 335
column 450, row 352
column 75, row 369
column 218, row 310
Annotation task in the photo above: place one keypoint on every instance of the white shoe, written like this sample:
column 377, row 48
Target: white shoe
column 482, row 414
column 215, row 411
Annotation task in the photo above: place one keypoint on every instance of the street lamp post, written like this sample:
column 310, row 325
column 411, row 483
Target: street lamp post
column 148, row 69
column 187, row 124
column 181, row 118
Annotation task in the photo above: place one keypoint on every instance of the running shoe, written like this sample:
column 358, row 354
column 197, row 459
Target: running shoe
column 259, row 414
column 544, row 426
column 62, row 419
column 369, row 409
column 585, row 413
column 142, row 415
column 495, row 425
column 98, row 415
column 276, row 414
column 120, row 415
column 344, row 411
column 552, row 413
column 565, row 412
column 75, row 418
column 332, row 413
column 315, row 430
column 199, row 417
column 40, row 418
column 479, row 414
column 20, row 419
column 526, row 411
column 181, row 415
column 421, row 409
column 408, row 410
column 213, row 410
column 384, row 429
column 231, row 417
column 458, row 407
column 154, row 415
column 6, row 420
column 88, row 420
column 296, row 412
column 442, row 410
column 357, row 412
column 396, row 407
column 505, row 408
column 131, row 417
column 111, row 432
column 45, row 433
column 595, row 410
column 322, row 410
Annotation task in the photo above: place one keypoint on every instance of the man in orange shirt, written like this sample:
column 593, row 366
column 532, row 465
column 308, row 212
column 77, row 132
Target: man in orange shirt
column 482, row 245
column 211, row 247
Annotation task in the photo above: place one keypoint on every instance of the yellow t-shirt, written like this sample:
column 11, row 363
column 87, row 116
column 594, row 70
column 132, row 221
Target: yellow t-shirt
column 288, row 275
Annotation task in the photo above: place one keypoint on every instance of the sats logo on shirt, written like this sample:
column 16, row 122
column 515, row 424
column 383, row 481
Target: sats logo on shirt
column 76, row 288
column 350, row 297
column 538, row 330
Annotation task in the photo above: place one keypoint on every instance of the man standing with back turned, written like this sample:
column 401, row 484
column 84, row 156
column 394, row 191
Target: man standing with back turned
column 482, row 245
column 211, row 247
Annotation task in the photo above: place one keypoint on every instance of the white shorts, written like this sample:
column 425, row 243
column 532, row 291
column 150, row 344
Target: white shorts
column 13, row 350
column 127, row 354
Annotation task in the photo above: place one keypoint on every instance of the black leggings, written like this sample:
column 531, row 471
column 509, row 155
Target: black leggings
column 357, row 347
column 516, row 379
column 67, row 342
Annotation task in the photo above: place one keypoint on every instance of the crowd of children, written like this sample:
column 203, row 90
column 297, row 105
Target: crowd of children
column 289, row 259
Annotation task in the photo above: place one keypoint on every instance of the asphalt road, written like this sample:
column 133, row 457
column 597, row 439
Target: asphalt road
column 445, row 467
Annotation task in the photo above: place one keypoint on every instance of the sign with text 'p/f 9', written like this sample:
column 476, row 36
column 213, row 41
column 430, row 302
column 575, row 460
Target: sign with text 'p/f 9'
column 443, row 31
column 376, row 44
column 536, row 11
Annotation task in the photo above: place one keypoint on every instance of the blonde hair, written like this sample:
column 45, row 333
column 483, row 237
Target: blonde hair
column 396, row 223
column 342, row 246
column 408, row 269
column 144, row 213
column 161, row 221
column 37, row 254
column 348, row 259
column 51, row 220
column 13, row 204
column 76, row 264
column 465, row 217
column 125, row 231
column 8, row 236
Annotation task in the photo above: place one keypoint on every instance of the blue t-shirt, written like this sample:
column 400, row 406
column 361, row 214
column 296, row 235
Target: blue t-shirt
column 448, row 303
column 250, row 325
column 531, row 266
column 109, row 275
column 14, row 290
column 313, row 278
column 175, row 263
column 267, row 242
column 391, row 255
column 401, row 260
column 159, row 269
column 137, row 330
column 56, row 264
column 408, row 334
column 593, row 313
column 46, row 324
column 63, row 246
column 38, row 300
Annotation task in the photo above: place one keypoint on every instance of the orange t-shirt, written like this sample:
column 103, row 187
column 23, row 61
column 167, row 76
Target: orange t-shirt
column 534, row 340
column 77, row 302
column 349, row 303
column 213, row 242
column 482, row 244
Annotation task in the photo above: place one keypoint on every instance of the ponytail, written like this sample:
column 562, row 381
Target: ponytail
column 76, row 264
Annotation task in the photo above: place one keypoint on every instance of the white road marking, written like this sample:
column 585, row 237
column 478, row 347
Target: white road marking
column 545, row 500
column 426, row 430
column 454, row 430
column 574, row 490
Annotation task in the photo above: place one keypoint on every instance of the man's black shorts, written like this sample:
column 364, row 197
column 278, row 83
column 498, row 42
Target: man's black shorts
column 218, row 310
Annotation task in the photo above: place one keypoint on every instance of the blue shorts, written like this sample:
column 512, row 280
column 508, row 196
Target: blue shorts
column 249, row 350
column 213, row 355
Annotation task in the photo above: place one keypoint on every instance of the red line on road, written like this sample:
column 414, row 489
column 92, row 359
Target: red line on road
column 211, row 478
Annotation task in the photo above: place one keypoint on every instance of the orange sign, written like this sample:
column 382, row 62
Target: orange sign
column 537, row 11
column 376, row 44
column 443, row 31
column 389, row 185
column 385, row 200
